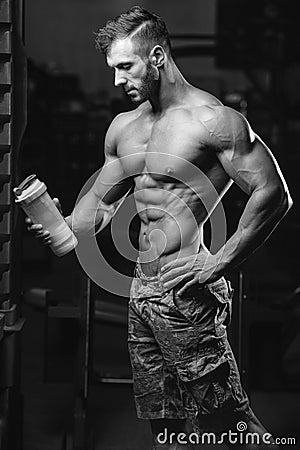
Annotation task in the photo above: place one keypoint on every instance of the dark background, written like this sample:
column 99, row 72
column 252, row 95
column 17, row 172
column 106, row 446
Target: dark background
column 247, row 54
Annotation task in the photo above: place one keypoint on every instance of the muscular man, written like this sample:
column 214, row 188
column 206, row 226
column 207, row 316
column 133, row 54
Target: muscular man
column 181, row 149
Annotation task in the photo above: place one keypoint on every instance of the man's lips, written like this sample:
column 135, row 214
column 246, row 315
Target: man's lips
column 129, row 90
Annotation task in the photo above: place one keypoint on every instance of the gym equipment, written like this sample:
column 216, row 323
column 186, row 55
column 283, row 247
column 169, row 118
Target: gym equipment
column 77, row 315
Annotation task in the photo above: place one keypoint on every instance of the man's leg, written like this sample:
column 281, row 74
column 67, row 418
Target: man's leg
column 255, row 437
column 158, row 395
column 170, row 434
column 222, row 402
column 155, row 386
column 227, row 415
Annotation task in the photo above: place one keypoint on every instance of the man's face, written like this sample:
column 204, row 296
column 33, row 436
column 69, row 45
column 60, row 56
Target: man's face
column 135, row 74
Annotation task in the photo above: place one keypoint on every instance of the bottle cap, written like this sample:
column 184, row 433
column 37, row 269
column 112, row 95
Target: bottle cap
column 30, row 189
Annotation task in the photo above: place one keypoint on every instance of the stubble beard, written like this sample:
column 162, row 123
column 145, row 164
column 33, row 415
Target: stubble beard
column 149, row 86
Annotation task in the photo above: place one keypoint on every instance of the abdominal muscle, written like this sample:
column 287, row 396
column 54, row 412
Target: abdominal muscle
column 169, row 227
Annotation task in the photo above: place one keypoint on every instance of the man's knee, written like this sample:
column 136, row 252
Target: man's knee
column 256, row 437
column 256, row 428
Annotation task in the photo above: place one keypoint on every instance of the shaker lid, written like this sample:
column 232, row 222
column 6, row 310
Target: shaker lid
column 29, row 189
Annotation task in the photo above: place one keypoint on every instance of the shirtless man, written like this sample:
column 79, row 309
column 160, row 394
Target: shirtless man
column 181, row 149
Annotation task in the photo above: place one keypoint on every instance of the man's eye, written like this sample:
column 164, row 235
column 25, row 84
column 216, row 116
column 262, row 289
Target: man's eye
column 127, row 67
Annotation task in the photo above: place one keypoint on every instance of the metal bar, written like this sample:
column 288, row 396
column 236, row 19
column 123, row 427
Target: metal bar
column 194, row 50
column 111, row 380
column 240, row 320
column 87, row 337
column 194, row 36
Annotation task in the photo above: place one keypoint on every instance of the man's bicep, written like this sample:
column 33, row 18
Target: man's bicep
column 112, row 182
column 244, row 156
column 251, row 166
column 231, row 138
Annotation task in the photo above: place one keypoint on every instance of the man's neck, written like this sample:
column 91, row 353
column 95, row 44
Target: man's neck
column 172, row 90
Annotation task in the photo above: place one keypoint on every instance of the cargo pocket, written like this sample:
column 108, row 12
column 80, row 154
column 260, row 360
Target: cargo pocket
column 222, row 291
column 203, row 363
column 211, row 392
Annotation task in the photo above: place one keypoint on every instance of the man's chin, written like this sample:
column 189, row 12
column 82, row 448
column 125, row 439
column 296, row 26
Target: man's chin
column 137, row 100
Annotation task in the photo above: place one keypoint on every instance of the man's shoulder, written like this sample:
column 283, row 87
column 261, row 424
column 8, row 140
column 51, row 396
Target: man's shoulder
column 123, row 119
column 223, row 123
column 206, row 107
column 120, row 123
column 217, row 112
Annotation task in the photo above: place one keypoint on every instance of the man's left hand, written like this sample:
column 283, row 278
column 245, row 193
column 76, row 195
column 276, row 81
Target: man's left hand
column 192, row 269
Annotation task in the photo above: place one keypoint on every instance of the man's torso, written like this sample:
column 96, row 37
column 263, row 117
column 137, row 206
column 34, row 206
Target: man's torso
column 178, row 177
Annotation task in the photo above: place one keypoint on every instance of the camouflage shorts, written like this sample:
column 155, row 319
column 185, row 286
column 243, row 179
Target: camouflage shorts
column 183, row 366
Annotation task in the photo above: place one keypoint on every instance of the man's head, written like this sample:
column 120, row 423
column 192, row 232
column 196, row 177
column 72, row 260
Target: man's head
column 144, row 28
column 135, row 44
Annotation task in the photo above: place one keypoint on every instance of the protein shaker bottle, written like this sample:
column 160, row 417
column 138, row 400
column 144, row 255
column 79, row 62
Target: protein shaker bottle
column 34, row 199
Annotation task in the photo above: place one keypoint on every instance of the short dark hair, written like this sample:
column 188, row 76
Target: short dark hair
column 147, row 29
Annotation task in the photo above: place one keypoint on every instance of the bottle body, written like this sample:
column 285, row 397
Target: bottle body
column 37, row 204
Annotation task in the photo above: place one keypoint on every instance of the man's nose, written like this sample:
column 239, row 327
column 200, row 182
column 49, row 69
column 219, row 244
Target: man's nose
column 119, row 78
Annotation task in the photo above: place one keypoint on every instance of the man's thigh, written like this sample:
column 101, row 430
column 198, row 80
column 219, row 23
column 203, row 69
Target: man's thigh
column 156, row 385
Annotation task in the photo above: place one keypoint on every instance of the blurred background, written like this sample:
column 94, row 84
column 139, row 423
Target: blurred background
column 74, row 379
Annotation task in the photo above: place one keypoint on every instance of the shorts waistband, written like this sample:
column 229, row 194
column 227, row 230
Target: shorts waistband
column 155, row 281
column 151, row 284
column 140, row 274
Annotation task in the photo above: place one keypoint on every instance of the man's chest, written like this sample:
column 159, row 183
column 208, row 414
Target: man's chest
column 172, row 147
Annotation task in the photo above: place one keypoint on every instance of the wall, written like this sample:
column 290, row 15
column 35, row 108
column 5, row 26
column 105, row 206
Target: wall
column 61, row 32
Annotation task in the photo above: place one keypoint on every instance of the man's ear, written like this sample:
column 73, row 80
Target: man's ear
column 157, row 56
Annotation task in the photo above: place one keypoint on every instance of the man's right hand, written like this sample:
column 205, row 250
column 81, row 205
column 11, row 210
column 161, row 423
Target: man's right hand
column 37, row 230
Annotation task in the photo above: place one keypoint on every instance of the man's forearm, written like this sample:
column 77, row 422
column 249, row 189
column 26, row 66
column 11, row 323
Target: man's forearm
column 264, row 210
column 91, row 215
column 86, row 217
column 83, row 223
